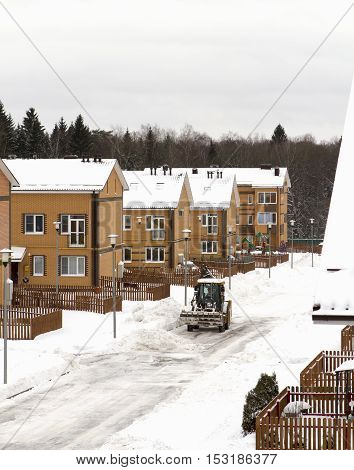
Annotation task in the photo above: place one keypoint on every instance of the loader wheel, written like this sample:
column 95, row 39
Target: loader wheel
column 227, row 325
column 221, row 329
column 189, row 328
column 196, row 327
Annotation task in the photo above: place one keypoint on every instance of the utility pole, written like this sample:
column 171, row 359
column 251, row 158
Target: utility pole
column 311, row 222
column 186, row 235
column 292, row 223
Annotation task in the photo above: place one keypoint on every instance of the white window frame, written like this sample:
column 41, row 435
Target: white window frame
column 72, row 217
column 77, row 220
column 265, row 217
column 160, row 249
column 39, row 273
column 249, row 219
column 208, row 220
column 125, row 217
column 77, row 266
column 264, row 195
column 204, row 247
column 131, row 254
column 35, row 232
column 250, row 199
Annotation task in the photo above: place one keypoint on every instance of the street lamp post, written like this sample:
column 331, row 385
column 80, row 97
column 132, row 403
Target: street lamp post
column 311, row 222
column 113, row 240
column 186, row 235
column 6, row 253
column 292, row 223
column 230, row 253
column 269, row 235
column 57, row 229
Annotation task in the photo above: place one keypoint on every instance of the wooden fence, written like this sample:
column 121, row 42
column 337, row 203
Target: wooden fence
column 319, row 374
column 136, row 288
column 347, row 338
column 27, row 323
column 324, row 426
column 282, row 257
column 262, row 261
column 87, row 299
column 159, row 276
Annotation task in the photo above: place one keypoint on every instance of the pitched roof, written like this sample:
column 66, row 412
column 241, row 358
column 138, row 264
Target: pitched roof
column 4, row 169
column 150, row 191
column 57, row 174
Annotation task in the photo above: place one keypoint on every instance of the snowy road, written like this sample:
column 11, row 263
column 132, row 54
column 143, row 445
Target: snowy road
column 110, row 391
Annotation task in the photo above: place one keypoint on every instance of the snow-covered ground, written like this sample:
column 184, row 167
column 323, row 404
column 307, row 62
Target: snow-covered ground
column 157, row 386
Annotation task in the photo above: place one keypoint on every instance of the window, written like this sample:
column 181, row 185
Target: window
column 77, row 231
column 155, row 254
column 38, row 266
column 250, row 219
column 157, row 226
column 237, row 219
column 180, row 212
column 211, row 222
column 267, row 198
column 127, row 254
column 250, row 198
column 72, row 265
column 127, row 222
column 74, row 226
column 148, row 222
column 238, row 239
column 264, row 218
column 209, row 246
column 34, row 223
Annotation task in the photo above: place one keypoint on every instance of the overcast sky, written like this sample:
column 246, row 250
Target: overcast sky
column 215, row 64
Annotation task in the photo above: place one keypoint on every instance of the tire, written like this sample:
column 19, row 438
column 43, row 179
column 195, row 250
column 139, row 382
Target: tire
column 189, row 328
column 196, row 327
column 227, row 325
column 221, row 329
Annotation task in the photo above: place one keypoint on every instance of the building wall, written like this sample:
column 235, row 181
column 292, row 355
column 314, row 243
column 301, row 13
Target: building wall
column 200, row 233
column 138, row 238
column 5, row 241
column 51, row 205
column 279, row 230
column 182, row 220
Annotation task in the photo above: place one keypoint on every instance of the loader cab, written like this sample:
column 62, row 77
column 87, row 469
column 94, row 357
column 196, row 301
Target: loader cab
column 209, row 293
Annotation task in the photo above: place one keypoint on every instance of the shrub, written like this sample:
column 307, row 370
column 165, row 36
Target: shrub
column 256, row 399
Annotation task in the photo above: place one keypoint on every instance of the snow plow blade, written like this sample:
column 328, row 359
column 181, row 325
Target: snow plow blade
column 202, row 318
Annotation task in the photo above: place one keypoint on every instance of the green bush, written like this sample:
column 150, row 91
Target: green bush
column 256, row 399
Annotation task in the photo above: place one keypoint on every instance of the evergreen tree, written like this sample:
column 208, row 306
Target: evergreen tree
column 150, row 144
column 257, row 399
column 7, row 133
column 31, row 137
column 59, row 140
column 80, row 137
column 279, row 136
column 212, row 154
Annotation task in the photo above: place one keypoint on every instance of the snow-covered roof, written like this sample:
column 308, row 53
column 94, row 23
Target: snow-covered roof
column 210, row 280
column 18, row 253
column 335, row 293
column 4, row 169
column 154, row 191
column 347, row 365
column 207, row 193
column 255, row 177
column 57, row 174
column 339, row 221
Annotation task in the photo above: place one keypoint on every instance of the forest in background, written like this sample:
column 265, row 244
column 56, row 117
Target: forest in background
column 311, row 164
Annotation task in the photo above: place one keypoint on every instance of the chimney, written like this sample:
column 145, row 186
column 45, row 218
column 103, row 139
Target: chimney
column 164, row 171
column 194, row 171
column 217, row 174
column 150, row 170
column 170, row 170
column 266, row 166
column 155, row 171
column 276, row 171
column 220, row 174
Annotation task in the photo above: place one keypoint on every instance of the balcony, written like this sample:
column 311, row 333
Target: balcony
column 158, row 235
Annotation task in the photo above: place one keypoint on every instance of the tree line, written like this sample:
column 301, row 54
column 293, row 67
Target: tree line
column 311, row 164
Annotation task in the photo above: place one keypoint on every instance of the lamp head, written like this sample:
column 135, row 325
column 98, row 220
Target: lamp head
column 269, row 226
column 113, row 239
column 186, row 233
column 5, row 255
column 57, row 225
column 229, row 229
column 292, row 222
column 312, row 221
column 139, row 219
